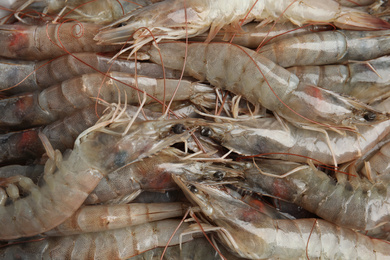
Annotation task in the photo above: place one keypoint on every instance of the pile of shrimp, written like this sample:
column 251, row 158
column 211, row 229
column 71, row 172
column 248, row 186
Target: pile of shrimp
column 195, row 129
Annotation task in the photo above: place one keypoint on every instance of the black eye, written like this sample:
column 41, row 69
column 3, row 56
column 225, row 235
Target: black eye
column 178, row 129
column 206, row 132
column 218, row 175
column 193, row 189
column 122, row 24
column 369, row 116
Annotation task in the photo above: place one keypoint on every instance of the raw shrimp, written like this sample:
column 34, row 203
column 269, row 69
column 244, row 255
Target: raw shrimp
column 366, row 81
column 353, row 3
column 95, row 11
column 27, row 76
column 97, row 151
column 315, row 191
column 260, row 80
column 113, row 244
column 177, row 19
column 330, row 47
column 153, row 174
column 26, row 145
column 377, row 168
column 254, row 235
column 46, row 42
column 268, row 135
column 98, row 218
column 53, row 103
column 33, row 172
column 252, row 34
column 197, row 249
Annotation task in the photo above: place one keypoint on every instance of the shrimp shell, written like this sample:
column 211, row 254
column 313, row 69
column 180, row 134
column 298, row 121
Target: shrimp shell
column 26, row 145
column 27, row 76
column 254, row 235
column 268, row 135
column 46, row 42
column 367, row 81
column 368, row 203
column 247, row 73
column 330, row 47
column 175, row 19
column 113, row 244
column 106, row 217
column 95, row 154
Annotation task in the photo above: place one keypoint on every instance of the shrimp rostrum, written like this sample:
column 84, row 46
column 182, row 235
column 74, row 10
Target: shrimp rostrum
column 254, row 235
column 69, row 178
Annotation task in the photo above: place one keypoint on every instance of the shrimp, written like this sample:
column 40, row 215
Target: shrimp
column 199, row 248
column 252, row 34
column 177, row 19
column 113, row 244
column 107, row 217
column 96, row 152
column 321, row 48
column 263, row 82
column 377, row 168
column 267, row 135
column 46, row 42
column 353, row 3
column 254, row 235
column 53, row 103
column 27, row 76
column 26, row 145
column 366, row 81
column 315, row 191
column 98, row 11
column 154, row 174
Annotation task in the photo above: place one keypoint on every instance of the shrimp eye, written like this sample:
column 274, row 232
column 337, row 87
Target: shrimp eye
column 206, row 132
column 193, row 189
column 178, row 129
column 369, row 116
column 218, row 175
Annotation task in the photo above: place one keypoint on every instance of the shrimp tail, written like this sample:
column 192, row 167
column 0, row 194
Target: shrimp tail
column 360, row 21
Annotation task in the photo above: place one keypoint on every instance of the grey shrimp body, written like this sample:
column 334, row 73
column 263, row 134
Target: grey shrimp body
column 263, row 82
column 167, row 19
column 113, row 244
column 46, row 42
column 70, row 178
column 252, row 234
column 268, row 136
column 26, row 145
column 28, row 76
column 100, row 12
column 53, row 103
column 315, row 191
column 367, row 81
column 330, row 47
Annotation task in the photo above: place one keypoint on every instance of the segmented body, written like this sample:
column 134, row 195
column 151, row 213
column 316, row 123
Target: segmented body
column 268, row 136
column 175, row 19
column 263, row 82
column 113, row 244
column 366, row 81
column 254, row 235
column 53, row 103
column 68, row 181
column 50, row 41
column 328, row 47
column 318, row 193
column 27, row 76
